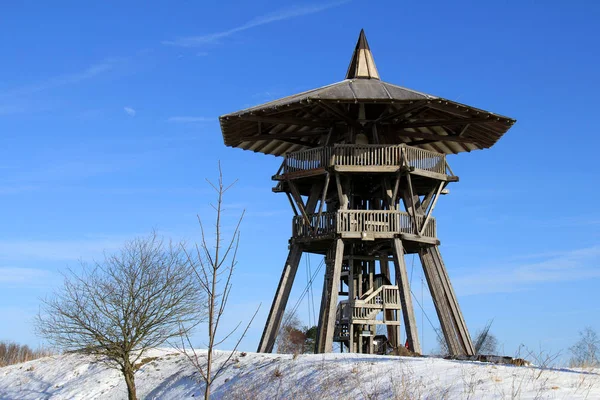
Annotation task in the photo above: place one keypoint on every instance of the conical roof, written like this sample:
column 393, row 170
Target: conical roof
column 363, row 102
column 362, row 65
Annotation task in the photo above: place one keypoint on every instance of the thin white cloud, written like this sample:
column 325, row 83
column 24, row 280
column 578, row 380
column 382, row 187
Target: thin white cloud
column 62, row 80
column 21, row 99
column 12, row 275
column 560, row 267
column 130, row 111
column 68, row 249
column 280, row 15
column 188, row 120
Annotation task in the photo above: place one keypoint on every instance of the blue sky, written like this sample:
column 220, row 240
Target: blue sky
column 108, row 127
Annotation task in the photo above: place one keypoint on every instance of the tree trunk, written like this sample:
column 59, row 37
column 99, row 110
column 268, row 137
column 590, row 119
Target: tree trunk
column 208, row 379
column 207, row 391
column 128, row 373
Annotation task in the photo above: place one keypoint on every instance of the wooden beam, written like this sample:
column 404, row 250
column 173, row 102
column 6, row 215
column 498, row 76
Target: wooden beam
column 468, row 112
column 267, row 341
column 291, row 141
column 443, row 122
column 431, row 136
column 325, row 188
column 413, row 206
column 298, row 200
column 425, row 203
column 405, row 298
column 375, row 135
column 343, row 198
column 440, row 302
column 395, row 191
column 461, row 333
column 343, row 116
column 428, row 141
column 351, row 296
column 282, row 136
column 328, row 310
column 428, row 215
column 287, row 121
column 313, row 198
column 399, row 113
column 292, row 203
column 388, row 314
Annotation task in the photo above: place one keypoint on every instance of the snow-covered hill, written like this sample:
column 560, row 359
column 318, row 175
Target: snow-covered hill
column 331, row 376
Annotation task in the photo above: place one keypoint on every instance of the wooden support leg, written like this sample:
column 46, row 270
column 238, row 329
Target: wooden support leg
column 325, row 296
column 330, row 297
column 452, row 321
column 408, row 313
column 267, row 341
column 457, row 328
column 439, row 301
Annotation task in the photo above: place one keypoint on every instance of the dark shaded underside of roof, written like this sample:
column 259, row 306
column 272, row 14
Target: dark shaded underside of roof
column 397, row 114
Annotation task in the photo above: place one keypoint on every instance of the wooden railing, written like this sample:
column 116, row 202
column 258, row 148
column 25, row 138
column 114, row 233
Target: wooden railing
column 373, row 221
column 315, row 226
column 365, row 155
column 376, row 301
column 368, row 307
column 429, row 230
column 425, row 159
column 358, row 221
column 306, row 160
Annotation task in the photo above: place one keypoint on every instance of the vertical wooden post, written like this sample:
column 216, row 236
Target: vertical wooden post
column 329, row 305
column 351, row 295
column 392, row 331
column 408, row 313
column 267, row 341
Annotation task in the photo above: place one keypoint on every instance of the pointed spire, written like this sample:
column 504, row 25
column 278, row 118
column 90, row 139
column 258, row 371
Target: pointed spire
column 362, row 65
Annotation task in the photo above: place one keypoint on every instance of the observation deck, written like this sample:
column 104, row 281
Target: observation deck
column 365, row 225
column 369, row 158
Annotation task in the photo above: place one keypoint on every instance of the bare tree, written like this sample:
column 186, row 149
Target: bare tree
column 214, row 265
column 586, row 352
column 117, row 309
column 292, row 337
column 485, row 342
column 14, row 353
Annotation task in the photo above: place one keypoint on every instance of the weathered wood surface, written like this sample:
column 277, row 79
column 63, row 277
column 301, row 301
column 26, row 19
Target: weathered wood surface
column 408, row 313
column 367, row 158
column 354, row 223
column 267, row 341
column 330, row 298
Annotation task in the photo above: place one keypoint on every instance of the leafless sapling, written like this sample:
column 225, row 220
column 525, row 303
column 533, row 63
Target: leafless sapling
column 214, row 266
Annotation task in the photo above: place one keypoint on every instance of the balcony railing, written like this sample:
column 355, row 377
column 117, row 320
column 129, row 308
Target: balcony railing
column 384, row 297
column 370, row 222
column 350, row 155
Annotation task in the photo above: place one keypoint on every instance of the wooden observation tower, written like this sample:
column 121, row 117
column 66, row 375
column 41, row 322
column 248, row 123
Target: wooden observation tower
column 364, row 165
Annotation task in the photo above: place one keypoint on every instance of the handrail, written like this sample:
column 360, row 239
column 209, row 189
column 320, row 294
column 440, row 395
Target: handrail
column 324, row 224
column 365, row 155
column 371, row 299
column 359, row 221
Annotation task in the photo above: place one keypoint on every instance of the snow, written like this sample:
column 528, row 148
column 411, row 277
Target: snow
column 271, row 376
